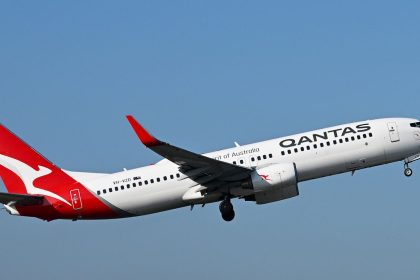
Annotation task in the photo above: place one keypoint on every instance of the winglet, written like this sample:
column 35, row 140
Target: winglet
column 145, row 137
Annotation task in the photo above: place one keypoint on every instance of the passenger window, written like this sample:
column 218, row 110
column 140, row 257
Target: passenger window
column 171, row 176
column 177, row 175
column 296, row 150
column 110, row 189
column 158, row 180
column 241, row 161
column 335, row 142
column 352, row 138
column 252, row 159
column 341, row 141
column 134, row 185
column 289, row 152
column 370, row 135
column 308, row 148
column 146, row 182
column 116, row 189
column 98, row 192
column 122, row 187
column 264, row 157
column 152, row 181
column 233, row 163
column 302, row 149
column 270, row 155
column 364, row 136
column 165, row 178
column 347, row 139
column 258, row 157
column 322, row 145
column 140, row 183
column 358, row 137
column 128, row 186
column 315, row 146
column 104, row 191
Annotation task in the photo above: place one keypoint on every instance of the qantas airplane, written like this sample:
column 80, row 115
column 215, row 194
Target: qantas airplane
column 262, row 172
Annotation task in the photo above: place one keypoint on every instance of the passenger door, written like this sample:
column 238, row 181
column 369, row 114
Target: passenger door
column 393, row 132
column 76, row 199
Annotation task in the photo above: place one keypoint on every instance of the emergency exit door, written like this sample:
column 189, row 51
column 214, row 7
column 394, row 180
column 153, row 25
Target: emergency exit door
column 393, row 132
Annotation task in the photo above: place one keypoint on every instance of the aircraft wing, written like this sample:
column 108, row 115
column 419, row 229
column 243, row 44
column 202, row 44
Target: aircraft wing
column 191, row 163
column 20, row 199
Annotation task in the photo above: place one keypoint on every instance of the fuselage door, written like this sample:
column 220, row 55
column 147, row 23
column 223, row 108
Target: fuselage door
column 76, row 199
column 393, row 132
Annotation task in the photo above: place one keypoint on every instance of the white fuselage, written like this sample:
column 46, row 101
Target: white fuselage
column 316, row 154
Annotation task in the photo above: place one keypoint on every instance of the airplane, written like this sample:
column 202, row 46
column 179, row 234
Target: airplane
column 262, row 172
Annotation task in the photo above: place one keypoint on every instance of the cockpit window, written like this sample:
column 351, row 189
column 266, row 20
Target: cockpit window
column 417, row 124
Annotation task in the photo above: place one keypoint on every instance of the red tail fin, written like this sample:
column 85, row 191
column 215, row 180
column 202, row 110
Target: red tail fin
column 19, row 163
column 25, row 171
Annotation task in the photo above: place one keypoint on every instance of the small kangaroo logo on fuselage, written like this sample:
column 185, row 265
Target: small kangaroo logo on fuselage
column 265, row 177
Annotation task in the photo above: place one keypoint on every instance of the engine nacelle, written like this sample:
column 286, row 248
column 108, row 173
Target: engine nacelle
column 274, row 182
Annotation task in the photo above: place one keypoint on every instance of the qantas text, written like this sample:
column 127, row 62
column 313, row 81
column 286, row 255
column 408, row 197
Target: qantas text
column 335, row 133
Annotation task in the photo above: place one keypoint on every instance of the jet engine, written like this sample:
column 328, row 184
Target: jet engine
column 273, row 183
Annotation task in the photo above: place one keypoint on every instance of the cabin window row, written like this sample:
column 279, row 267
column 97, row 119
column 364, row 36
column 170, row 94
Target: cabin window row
column 253, row 159
column 261, row 157
column 417, row 124
column 327, row 144
column 139, row 183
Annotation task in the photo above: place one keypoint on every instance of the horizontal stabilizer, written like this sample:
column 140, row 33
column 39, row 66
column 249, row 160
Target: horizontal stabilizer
column 20, row 199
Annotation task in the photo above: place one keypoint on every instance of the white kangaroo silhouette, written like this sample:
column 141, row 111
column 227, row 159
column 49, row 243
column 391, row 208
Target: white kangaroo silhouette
column 29, row 175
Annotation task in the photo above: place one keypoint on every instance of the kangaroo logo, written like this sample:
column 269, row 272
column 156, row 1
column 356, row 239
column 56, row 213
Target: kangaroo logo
column 29, row 175
column 265, row 177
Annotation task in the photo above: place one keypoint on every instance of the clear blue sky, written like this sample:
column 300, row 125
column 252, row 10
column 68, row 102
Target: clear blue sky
column 201, row 75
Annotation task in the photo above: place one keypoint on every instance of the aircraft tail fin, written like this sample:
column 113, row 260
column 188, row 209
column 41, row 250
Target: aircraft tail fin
column 21, row 165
